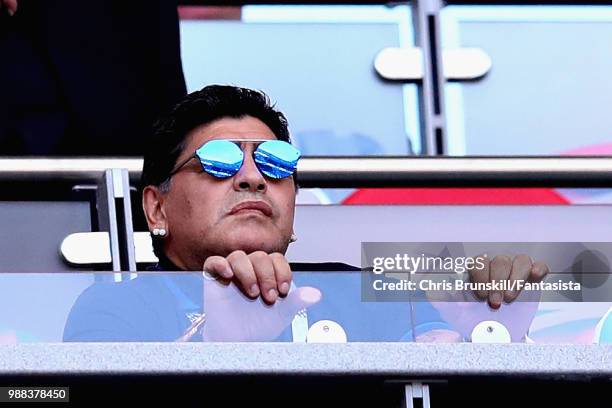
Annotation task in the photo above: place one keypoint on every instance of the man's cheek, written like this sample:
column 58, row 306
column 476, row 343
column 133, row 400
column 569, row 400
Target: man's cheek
column 286, row 211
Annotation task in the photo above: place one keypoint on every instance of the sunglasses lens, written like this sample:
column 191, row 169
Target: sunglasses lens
column 276, row 159
column 220, row 158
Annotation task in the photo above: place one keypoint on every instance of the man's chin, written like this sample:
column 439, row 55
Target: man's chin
column 251, row 242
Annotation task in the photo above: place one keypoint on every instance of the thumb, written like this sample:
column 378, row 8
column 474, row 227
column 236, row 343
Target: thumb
column 298, row 299
column 218, row 265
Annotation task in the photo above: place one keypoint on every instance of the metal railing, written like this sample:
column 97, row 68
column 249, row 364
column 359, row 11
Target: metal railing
column 368, row 171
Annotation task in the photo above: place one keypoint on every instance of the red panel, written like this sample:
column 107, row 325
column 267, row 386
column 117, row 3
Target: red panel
column 499, row 196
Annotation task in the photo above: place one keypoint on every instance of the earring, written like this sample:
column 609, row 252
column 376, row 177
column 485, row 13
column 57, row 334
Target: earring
column 161, row 232
column 293, row 238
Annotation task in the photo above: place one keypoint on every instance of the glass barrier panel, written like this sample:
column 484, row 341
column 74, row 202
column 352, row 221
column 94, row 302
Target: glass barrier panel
column 322, row 306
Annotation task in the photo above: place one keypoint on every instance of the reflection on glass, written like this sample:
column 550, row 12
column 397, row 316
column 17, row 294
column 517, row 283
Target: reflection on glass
column 321, row 307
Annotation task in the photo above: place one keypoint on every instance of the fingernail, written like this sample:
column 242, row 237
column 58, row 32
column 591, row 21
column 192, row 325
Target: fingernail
column 254, row 291
column 227, row 273
column 496, row 298
column 284, row 288
column 272, row 294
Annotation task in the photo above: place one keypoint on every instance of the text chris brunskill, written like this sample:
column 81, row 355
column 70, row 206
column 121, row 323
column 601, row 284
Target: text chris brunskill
column 459, row 285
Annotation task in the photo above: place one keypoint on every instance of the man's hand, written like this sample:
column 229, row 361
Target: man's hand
column 503, row 267
column 231, row 316
column 10, row 5
column 462, row 313
column 258, row 273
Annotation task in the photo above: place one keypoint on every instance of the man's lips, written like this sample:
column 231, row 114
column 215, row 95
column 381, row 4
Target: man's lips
column 261, row 206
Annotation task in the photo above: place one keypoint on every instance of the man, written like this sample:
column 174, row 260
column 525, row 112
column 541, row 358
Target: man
column 219, row 195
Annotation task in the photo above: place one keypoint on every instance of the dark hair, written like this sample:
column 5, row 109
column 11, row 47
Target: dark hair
column 200, row 108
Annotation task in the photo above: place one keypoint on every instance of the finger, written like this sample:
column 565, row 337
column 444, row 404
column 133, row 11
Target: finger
column 539, row 270
column 218, row 265
column 244, row 275
column 297, row 300
column 283, row 273
column 500, row 269
column 266, row 277
column 480, row 275
column 521, row 268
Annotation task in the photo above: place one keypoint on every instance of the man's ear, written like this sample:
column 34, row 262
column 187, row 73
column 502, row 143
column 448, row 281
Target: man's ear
column 152, row 204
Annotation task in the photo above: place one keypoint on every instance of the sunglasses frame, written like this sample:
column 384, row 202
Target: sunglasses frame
column 236, row 141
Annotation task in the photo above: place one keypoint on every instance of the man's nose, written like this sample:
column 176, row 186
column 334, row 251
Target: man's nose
column 249, row 178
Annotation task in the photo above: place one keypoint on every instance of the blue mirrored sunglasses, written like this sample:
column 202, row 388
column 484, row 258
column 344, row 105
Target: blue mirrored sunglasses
column 223, row 158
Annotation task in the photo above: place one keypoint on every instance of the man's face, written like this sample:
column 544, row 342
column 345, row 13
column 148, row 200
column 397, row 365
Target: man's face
column 203, row 213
